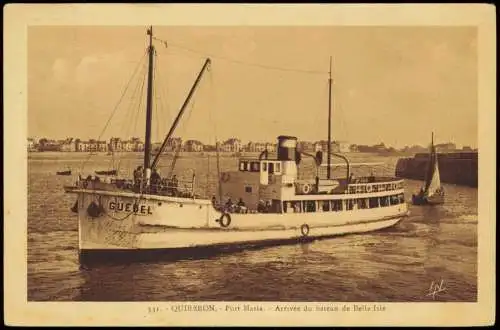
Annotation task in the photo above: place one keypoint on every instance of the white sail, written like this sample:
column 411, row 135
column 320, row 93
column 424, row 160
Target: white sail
column 435, row 183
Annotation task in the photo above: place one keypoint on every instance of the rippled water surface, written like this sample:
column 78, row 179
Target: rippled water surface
column 395, row 264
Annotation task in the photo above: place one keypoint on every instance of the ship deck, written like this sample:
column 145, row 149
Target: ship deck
column 360, row 187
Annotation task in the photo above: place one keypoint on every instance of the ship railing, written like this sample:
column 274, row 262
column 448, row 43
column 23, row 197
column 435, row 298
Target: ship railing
column 179, row 188
column 368, row 187
column 168, row 187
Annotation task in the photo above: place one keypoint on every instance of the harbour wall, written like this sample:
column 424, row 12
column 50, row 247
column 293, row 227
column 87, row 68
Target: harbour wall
column 457, row 168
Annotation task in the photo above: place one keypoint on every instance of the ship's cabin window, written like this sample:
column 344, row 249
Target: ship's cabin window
column 401, row 198
column 362, row 203
column 254, row 167
column 251, row 166
column 309, row 206
column 394, row 200
column 296, row 206
column 350, row 204
column 384, row 201
column 243, row 166
column 271, row 167
column 287, row 207
column 373, row 202
column 337, row 205
column 326, row 206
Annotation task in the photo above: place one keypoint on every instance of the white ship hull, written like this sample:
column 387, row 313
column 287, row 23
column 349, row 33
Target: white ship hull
column 162, row 224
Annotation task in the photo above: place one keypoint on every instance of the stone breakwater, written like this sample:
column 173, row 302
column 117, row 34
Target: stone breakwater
column 457, row 168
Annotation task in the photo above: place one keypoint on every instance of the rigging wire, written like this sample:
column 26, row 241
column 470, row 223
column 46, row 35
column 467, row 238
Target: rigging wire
column 132, row 105
column 156, row 103
column 213, row 105
column 129, row 115
column 208, row 176
column 159, row 85
column 160, row 92
column 115, row 108
column 224, row 58
column 183, row 130
column 141, row 93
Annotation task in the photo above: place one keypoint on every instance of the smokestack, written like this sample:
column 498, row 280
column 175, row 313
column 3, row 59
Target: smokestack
column 287, row 146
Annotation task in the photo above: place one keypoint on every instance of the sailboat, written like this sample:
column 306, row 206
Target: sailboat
column 432, row 192
column 111, row 172
column 146, row 216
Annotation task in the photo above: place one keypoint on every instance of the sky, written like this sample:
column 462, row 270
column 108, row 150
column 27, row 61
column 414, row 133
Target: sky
column 394, row 84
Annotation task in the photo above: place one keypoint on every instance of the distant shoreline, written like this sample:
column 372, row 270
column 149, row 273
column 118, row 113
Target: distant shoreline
column 204, row 154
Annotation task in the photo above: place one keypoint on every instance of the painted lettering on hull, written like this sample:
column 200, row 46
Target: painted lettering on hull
column 130, row 207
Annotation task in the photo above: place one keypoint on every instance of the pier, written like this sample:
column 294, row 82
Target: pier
column 456, row 167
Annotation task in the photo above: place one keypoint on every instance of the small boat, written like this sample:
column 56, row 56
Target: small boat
column 68, row 172
column 432, row 192
column 110, row 172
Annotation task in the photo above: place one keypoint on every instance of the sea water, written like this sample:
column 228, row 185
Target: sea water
column 433, row 245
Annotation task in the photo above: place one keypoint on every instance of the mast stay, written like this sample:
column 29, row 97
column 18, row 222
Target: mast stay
column 329, row 151
column 179, row 115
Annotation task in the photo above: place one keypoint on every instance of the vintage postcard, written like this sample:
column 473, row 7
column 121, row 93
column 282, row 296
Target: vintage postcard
column 245, row 164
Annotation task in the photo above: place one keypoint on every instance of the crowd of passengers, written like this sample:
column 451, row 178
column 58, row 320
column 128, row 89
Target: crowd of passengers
column 158, row 185
column 240, row 207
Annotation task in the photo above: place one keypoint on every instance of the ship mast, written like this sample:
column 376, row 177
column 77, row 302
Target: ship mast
column 329, row 119
column 179, row 115
column 149, row 107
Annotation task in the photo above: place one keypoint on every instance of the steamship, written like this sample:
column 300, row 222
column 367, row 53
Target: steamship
column 274, row 206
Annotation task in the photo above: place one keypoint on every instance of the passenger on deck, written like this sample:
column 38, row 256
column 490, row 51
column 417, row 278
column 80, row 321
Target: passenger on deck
column 138, row 176
column 268, row 207
column 155, row 181
column 174, row 183
column 261, row 206
column 241, row 206
column 164, row 186
column 214, row 202
column 229, row 205
column 296, row 207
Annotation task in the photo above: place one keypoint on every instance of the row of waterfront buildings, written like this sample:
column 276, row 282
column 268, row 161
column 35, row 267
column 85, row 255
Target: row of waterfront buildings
column 231, row 145
column 173, row 144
